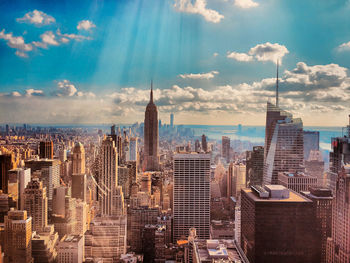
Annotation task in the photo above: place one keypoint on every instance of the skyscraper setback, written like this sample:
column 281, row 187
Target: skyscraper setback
column 151, row 156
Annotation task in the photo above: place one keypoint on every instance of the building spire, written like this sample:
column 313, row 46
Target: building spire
column 277, row 86
column 151, row 97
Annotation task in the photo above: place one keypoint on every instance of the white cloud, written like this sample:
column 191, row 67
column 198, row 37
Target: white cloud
column 198, row 7
column 240, row 56
column 316, row 93
column 268, row 52
column 15, row 94
column 64, row 38
column 344, row 47
column 86, row 94
column 49, row 38
column 16, row 43
column 21, row 54
column 34, row 92
column 208, row 75
column 37, row 17
column 85, row 25
column 246, row 4
column 65, row 89
column 262, row 52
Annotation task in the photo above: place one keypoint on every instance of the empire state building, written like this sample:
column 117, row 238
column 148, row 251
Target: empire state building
column 151, row 136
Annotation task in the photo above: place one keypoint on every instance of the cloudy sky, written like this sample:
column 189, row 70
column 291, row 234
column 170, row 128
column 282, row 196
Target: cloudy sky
column 211, row 61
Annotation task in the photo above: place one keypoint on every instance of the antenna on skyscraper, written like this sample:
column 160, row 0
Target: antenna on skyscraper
column 151, row 100
column 277, row 86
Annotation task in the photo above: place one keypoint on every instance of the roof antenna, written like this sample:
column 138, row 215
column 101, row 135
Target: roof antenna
column 151, row 100
column 277, row 86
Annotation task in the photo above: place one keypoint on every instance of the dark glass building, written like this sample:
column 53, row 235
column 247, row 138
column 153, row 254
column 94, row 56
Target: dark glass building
column 277, row 225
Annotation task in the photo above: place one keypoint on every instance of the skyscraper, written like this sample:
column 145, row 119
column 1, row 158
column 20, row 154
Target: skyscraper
column 255, row 166
column 204, row 143
column 46, row 149
column 338, row 246
column 172, row 120
column 225, row 148
column 311, row 142
column 18, row 237
column 23, row 176
column 78, row 174
column 151, row 135
column 340, row 151
column 277, row 225
column 322, row 202
column 133, row 151
column 191, row 194
column 7, row 162
column 49, row 173
column 35, row 203
column 107, row 177
column 284, row 144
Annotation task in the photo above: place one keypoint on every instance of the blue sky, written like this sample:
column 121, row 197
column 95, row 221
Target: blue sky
column 212, row 62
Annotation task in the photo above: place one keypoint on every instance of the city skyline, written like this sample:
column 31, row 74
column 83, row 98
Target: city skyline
column 64, row 64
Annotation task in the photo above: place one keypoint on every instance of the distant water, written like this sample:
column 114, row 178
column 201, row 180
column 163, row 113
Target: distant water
column 256, row 134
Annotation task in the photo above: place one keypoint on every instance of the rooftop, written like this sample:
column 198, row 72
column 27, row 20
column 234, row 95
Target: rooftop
column 71, row 238
column 221, row 250
column 292, row 197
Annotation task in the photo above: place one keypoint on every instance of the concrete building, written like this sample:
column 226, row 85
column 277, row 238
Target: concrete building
column 277, row 225
column 44, row 245
column 322, row 202
column 48, row 171
column 106, row 239
column 7, row 163
column 138, row 217
column 70, row 249
column 23, row 176
column 297, row 181
column 133, row 149
column 225, row 148
column 191, row 202
column 36, row 205
column 204, row 143
column 255, row 166
column 78, row 173
column 311, row 142
column 217, row 250
column 314, row 166
column 340, row 153
column 107, row 177
column 46, row 149
column 151, row 155
column 81, row 217
column 338, row 246
column 238, row 181
column 18, row 237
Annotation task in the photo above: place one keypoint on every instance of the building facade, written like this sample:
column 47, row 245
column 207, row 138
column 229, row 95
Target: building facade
column 277, row 225
column 191, row 198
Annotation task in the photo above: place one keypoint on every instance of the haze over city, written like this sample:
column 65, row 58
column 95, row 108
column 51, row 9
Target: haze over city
column 212, row 62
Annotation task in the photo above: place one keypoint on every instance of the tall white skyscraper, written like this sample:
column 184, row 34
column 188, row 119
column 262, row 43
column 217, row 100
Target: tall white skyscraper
column 108, row 177
column 191, row 194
